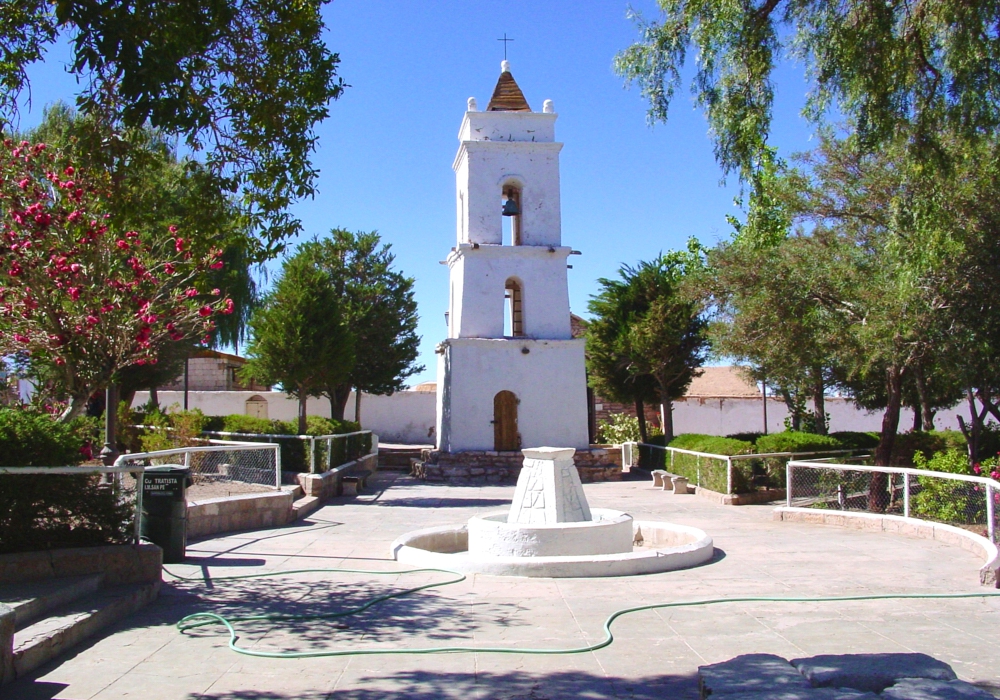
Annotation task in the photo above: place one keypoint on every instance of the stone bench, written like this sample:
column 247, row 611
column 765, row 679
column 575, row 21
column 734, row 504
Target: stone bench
column 660, row 478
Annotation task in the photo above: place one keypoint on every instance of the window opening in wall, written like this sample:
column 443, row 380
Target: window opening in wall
column 513, row 310
column 512, row 210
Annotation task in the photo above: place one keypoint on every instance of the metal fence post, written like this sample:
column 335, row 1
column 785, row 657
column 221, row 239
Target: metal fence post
column 729, row 476
column 329, row 453
column 312, row 455
column 672, row 460
column 906, row 495
column 187, row 460
column 138, row 505
column 788, row 484
column 277, row 466
column 989, row 512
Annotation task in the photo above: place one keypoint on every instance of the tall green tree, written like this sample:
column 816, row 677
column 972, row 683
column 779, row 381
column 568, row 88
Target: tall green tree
column 299, row 336
column 377, row 305
column 648, row 336
column 243, row 82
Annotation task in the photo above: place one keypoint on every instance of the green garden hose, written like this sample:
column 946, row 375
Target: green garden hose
column 203, row 619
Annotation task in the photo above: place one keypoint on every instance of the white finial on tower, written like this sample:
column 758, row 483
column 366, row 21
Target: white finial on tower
column 548, row 107
column 505, row 66
column 473, row 107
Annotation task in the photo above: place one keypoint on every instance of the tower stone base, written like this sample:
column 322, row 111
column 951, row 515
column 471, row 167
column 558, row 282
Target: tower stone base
column 478, row 468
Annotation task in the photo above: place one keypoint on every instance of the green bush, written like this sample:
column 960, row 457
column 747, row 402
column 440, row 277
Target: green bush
column 40, row 512
column 792, row 441
column 713, row 472
column 909, row 445
column 850, row 440
column 746, row 437
column 295, row 455
column 949, row 501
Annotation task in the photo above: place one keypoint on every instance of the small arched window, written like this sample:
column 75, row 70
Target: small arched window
column 511, row 202
column 513, row 309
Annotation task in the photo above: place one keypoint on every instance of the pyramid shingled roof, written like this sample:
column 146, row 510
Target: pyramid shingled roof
column 507, row 96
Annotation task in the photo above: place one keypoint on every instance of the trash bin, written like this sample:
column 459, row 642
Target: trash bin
column 164, row 510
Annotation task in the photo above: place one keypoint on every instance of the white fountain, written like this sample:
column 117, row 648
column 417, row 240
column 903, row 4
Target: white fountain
column 551, row 531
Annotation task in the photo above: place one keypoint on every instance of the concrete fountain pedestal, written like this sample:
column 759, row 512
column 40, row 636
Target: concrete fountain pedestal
column 551, row 531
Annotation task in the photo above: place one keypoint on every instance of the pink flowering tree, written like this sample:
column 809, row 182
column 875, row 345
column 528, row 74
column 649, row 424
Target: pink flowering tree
column 80, row 295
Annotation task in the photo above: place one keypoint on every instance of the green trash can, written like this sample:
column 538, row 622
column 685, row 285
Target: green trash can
column 164, row 510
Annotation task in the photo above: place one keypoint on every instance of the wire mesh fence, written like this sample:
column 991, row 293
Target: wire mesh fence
column 966, row 501
column 728, row 474
column 218, row 470
column 311, row 453
column 45, row 508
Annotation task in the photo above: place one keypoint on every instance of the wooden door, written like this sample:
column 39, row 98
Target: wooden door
column 505, row 422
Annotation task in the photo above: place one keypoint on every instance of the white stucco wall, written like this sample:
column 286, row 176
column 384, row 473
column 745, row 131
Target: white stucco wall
column 549, row 381
column 482, row 168
column 724, row 416
column 479, row 275
column 405, row 417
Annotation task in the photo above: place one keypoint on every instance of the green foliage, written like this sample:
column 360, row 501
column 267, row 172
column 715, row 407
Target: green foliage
column 911, row 447
column 294, row 452
column 40, row 512
column 621, row 428
column 300, row 338
column 746, row 437
column 648, row 331
column 31, row 439
column 856, row 441
column 379, row 309
column 244, row 81
column 712, row 471
column 945, row 500
column 885, row 67
column 790, row 441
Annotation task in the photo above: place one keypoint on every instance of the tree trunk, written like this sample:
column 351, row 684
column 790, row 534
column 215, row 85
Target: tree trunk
column 668, row 420
column 338, row 401
column 793, row 410
column 878, row 495
column 926, row 414
column 640, row 414
column 77, row 405
column 357, row 406
column 302, row 413
column 128, row 398
column 819, row 402
column 973, row 429
column 154, row 398
column 918, row 423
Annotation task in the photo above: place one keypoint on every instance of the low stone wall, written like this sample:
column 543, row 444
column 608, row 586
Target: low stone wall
column 123, row 563
column 478, row 468
column 328, row 484
column 244, row 512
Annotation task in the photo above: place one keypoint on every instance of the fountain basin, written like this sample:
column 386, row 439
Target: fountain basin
column 668, row 547
column 610, row 532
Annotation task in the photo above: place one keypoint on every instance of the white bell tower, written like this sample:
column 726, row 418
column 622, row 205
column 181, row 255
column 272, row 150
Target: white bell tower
column 510, row 374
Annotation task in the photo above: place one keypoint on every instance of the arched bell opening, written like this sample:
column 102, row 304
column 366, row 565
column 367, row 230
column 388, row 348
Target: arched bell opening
column 513, row 309
column 511, row 209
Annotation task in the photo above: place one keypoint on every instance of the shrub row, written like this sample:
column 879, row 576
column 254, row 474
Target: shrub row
column 39, row 512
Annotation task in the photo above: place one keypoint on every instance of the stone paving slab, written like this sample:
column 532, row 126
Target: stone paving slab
column 656, row 653
column 873, row 672
column 924, row 689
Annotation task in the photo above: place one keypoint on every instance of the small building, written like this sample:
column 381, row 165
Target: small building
column 211, row 370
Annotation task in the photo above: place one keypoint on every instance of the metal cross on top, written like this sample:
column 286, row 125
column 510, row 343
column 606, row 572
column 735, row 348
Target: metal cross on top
column 505, row 40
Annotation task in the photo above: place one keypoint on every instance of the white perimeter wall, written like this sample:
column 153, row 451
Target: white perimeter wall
column 406, row 417
column 409, row 416
column 739, row 415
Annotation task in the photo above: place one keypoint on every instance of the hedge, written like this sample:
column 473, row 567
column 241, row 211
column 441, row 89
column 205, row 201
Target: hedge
column 39, row 512
column 793, row 441
column 713, row 472
column 850, row 440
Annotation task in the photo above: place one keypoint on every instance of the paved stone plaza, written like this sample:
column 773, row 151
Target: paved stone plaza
column 656, row 654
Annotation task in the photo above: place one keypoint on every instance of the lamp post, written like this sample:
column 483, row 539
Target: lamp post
column 109, row 453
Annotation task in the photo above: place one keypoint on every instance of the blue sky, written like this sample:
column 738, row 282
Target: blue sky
column 629, row 191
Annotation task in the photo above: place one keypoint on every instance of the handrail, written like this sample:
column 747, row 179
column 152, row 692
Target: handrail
column 76, row 471
column 990, row 485
column 227, row 447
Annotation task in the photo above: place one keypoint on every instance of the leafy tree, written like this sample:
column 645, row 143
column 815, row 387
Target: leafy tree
column 377, row 305
column 78, row 291
column 299, row 337
column 608, row 354
column 150, row 188
column 647, row 339
column 893, row 68
column 668, row 340
column 244, row 81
